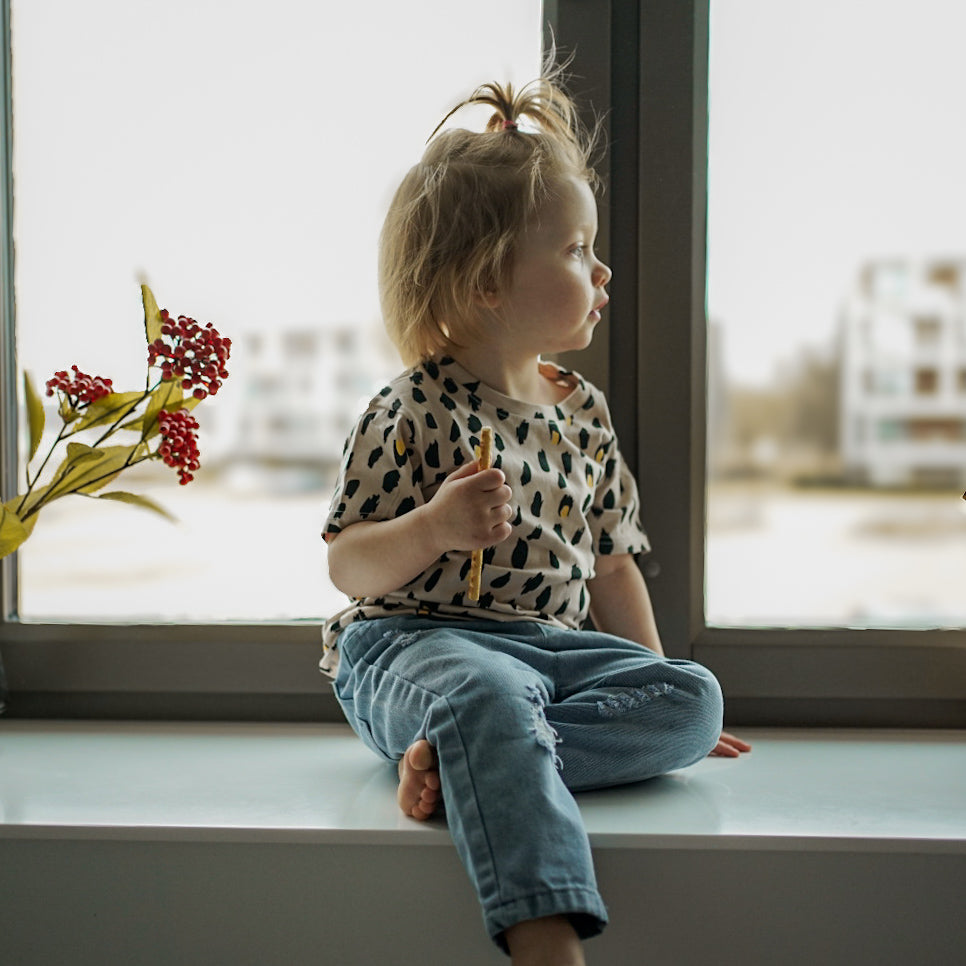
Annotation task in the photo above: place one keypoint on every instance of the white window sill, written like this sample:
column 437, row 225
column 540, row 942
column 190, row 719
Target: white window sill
column 281, row 845
column 866, row 790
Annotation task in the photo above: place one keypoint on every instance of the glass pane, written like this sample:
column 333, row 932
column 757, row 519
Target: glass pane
column 837, row 312
column 239, row 158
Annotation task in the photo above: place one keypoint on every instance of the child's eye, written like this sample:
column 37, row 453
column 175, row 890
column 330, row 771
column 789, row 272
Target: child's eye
column 578, row 251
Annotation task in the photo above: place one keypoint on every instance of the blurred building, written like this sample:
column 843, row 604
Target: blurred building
column 297, row 392
column 903, row 374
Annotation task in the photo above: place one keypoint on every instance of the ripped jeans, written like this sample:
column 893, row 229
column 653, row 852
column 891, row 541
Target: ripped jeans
column 522, row 714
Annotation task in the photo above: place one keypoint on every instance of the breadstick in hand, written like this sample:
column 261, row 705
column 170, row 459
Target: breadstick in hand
column 484, row 458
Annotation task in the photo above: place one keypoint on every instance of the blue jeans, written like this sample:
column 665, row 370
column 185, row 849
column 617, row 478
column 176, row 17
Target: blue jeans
column 521, row 715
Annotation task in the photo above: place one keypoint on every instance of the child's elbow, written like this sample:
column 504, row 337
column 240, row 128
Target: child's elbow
column 351, row 568
column 339, row 573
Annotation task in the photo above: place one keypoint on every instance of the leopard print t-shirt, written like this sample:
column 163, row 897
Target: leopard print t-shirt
column 574, row 498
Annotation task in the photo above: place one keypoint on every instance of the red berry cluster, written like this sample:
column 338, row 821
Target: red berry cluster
column 82, row 388
column 179, row 445
column 194, row 354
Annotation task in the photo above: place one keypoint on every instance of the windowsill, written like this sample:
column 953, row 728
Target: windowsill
column 282, row 844
column 867, row 791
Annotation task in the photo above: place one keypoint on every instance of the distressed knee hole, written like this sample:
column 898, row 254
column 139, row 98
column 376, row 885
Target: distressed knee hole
column 631, row 699
column 402, row 638
column 540, row 728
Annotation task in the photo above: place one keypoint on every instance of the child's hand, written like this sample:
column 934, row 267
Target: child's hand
column 471, row 509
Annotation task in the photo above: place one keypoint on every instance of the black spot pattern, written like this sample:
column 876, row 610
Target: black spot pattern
column 573, row 497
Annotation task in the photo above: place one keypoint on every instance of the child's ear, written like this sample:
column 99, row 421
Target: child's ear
column 488, row 298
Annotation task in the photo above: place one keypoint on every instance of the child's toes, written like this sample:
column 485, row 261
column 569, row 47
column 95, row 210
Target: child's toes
column 418, row 794
column 421, row 755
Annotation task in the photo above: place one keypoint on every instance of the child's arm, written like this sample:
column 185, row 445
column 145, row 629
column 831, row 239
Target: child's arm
column 469, row 510
column 619, row 601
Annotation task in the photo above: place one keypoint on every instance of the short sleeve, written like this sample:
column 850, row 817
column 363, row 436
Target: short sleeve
column 615, row 514
column 377, row 479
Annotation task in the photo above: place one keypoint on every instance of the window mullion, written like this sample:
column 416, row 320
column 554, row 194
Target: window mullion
column 9, row 434
column 672, row 330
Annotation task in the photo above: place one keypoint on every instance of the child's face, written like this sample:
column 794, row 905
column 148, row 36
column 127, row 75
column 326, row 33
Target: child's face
column 553, row 300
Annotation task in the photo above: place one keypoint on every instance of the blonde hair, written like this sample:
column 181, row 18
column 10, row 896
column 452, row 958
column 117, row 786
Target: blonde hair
column 454, row 221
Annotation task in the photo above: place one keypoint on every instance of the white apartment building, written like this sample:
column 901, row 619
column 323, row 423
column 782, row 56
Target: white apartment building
column 297, row 393
column 903, row 374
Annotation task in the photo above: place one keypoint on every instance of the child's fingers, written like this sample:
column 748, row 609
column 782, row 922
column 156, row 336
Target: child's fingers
column 461, row 472
column 492, row 485
column 500, row 533
column 489, row 479
column 484, row 490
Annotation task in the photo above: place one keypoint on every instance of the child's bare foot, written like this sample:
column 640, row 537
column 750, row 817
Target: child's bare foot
column 418, row 793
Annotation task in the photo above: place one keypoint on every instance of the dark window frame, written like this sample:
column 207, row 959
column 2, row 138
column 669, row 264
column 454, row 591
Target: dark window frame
column 645, row 66
column 653, row 78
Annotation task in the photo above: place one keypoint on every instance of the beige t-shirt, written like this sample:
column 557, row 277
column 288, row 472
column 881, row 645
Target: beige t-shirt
column 573, row 496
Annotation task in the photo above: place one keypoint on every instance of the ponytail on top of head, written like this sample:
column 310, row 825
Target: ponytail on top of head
column 541, row 103
column 453, row 224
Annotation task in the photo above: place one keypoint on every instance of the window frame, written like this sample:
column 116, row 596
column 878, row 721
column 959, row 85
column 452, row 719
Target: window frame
column 644, row 66
column 780, row 676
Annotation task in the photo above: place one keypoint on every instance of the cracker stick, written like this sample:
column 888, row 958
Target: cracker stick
column 484, row 457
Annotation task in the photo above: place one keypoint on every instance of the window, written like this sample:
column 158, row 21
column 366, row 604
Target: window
column 813, row 315
column 792, row 662
column 928, row 329
column 891, row 429
column 927, row 382
column 242, row 164
column 235, row 170
column 645, row 66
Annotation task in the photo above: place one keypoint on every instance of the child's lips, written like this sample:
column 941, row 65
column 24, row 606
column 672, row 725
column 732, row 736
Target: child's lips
column 596, row 310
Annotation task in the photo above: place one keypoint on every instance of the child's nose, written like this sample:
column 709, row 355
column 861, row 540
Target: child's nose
column 602, row 274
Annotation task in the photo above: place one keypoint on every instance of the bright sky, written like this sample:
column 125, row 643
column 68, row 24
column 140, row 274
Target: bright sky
column 244, row 162
column 837, row 135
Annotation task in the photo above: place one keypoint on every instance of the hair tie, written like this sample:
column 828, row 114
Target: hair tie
column 509, row 125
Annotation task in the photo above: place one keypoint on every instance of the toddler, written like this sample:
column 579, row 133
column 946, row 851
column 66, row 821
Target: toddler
column 503, row 706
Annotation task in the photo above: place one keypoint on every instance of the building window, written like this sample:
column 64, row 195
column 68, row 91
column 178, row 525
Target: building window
column 891, row 429
column 928, row 331
column 926, row 381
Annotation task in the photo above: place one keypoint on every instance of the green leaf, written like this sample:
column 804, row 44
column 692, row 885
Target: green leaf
column 109, row 409
column 67, row 412
column 35, row 415
column 135, row 500
column 13, row 531
column 91, row 478
column 86, row 470
column 168, row 396
column 152, row 315
column 37, row 496
column 173, row 405
column 78, row 453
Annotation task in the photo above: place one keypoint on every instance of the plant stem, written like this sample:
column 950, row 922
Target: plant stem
column 50, row 496
column 117, row 422
column 31, row 483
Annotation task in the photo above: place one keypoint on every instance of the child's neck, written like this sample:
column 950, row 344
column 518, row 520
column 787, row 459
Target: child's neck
column 517, row 378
